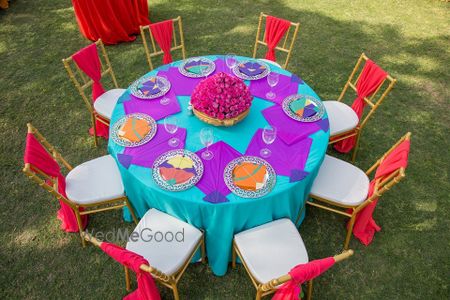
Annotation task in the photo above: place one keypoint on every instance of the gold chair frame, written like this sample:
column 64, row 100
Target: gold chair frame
column 266, row 288
column 156, row 49
column 381, row 186
column 170, row 281
column 285, row 46
column 50, row 184
column 84, row 82
column 371, row 101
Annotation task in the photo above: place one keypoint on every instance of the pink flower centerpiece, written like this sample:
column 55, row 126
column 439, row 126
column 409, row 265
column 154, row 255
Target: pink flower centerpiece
column 221, row 100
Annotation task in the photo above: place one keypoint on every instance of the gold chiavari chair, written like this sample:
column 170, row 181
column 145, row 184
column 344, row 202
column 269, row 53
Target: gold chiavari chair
column 177, row 43
column 168, row 261
column 102, row 109
column 344, row 122
column 94, row 186
column 343, row 188
column 269, row 251
column 286, row 44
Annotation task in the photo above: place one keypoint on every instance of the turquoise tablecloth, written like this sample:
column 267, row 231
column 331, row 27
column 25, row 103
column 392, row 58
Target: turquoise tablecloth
column 221, row 221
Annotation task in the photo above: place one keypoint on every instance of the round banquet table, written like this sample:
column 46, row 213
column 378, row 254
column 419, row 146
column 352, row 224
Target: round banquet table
column 297, row 154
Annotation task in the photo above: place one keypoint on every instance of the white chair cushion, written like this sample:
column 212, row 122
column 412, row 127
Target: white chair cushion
column 104, row 105
column 342, row 117
column 340, row 182
column 94, row 181
column 271, row 62
column 165, row 255
column 271, row 250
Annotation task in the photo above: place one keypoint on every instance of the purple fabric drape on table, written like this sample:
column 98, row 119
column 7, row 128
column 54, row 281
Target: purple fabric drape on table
column 284, row 157
column 285, row 87
column 212, row 183
column 152, row 107
column 146, row 154
column 289, row 130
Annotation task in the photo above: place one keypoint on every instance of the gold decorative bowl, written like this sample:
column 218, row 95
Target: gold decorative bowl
column 225, row 122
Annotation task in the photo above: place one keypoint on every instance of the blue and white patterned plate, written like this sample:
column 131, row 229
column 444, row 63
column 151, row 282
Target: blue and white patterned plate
column 315, row 105
column 121, row 142
column 208, row 66
column 160, row 83
column 254, row 69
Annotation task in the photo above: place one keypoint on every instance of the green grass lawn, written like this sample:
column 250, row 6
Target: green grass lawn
column 409, row 258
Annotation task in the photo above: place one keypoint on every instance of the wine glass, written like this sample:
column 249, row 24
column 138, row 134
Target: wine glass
column 161, row 82
column 272, row 80
column 231, row 61
column 207, row 138
column 269, row 135
column 171, row 126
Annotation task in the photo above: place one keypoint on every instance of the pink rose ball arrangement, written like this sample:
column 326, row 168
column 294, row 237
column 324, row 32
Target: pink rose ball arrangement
column 221, row 96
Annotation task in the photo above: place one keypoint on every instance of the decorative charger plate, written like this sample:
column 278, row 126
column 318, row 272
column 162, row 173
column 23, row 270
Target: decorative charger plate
column 196, row 67
column 177, row 170
column 150, row 87
column 134, row 130
column 303, row 108
column 249, row 177
column 251, row 70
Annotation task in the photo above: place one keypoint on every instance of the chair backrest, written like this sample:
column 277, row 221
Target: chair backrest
column 285, row 45
column 377, row 97
column 47, row 182
column 274, row 283
column 385, row 182
column 155, row 49
column 81, row 81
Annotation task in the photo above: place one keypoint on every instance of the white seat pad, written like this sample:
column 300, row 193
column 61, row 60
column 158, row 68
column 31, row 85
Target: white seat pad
column 271, row 250
column 165, row 255
column 94, row 181
column 342, row 117
column 271, row 62
column 104, row 105
column 340, row 182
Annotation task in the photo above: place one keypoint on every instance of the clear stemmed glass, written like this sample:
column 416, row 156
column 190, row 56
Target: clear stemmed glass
column 207, row 138
column 269, row 135
column 231, row 61
column 171, row 126
column 272, row 80
column 164, row 100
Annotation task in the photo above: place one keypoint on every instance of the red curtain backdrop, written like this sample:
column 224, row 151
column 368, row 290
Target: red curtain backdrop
column 88, row 61
column 163, row 34
column 291, row 290
column 365, row 226
column 147, row 289
column 113, row 21
column 371, row 78
column 38, row 157
column 275, row 30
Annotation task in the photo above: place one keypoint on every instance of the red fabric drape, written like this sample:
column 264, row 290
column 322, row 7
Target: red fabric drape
column 291, row 290
column 147, row 289
column 113, row 21
column 163, row 34
column 88, row 61
column 365, row 226
column 371, row 78
column 38, row 157
column 275, row 30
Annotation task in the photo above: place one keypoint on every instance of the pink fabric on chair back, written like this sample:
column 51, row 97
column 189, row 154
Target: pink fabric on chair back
column 291, row 290
column 88, row 61
column 365, row 226
column 163, row 34
column 275, row 30
column 38, row 157
column 371, row 78
column 147, row 289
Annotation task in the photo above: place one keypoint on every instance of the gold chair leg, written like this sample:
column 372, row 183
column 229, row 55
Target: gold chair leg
column 349, row 231
column 131, row 211
column 309, row 290
column 127, row 279
column 80, row 227
column 176, row 296
column 355, row 149
column 203, row 250
column 258, row 295
column 95, row 130
column 233, row 257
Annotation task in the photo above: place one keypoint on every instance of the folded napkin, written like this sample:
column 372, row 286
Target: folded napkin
column 134, row 129
column 304, row 107
column 196, row 67
column 146, row 154
column 289, row 130
column 252, row 68
column 181, row 85
column 250, row 176
column 178, row 169
column 212, row 182
column 286, row 86
column 153, row 107
column 150, row 87
column 287, row 160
